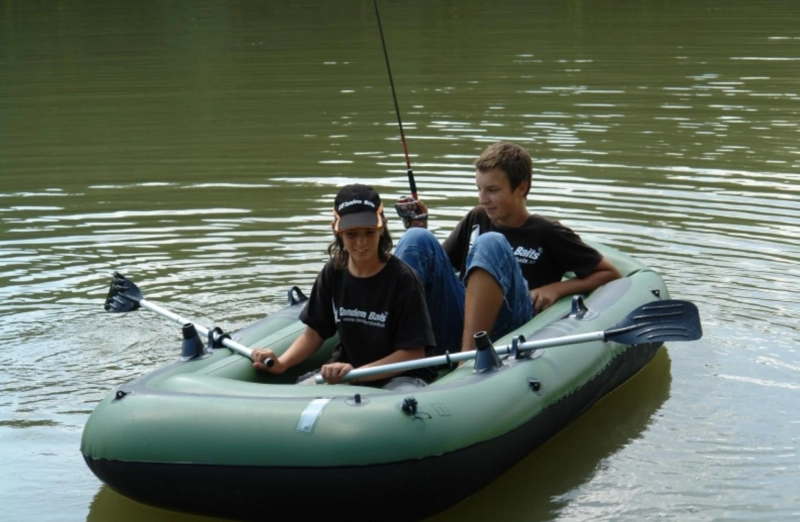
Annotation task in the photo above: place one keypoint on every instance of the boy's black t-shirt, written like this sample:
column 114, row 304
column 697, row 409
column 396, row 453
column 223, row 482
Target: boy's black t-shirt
column 544, row 249
column 374, row 316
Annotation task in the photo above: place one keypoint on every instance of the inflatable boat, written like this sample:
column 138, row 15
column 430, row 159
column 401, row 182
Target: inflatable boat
column 210, row 435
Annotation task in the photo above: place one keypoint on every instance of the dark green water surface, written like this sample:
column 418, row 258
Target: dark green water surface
column 196, row 147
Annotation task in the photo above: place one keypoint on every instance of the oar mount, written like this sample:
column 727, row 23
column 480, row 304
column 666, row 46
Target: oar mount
column 192, row 347
column 486, row 358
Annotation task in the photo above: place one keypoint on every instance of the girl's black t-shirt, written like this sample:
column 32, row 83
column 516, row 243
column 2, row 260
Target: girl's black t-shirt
column 545, row 250
column 374, row 316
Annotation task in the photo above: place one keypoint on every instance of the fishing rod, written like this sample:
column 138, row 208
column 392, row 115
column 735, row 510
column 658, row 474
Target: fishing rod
column 406, row 207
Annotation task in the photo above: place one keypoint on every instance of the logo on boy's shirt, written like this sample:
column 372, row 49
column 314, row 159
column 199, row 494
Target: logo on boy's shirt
column 473, row 236
column 528, row 256
column 524, row 256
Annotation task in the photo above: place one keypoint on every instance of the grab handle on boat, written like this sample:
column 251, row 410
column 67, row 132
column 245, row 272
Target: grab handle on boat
column 296, row 296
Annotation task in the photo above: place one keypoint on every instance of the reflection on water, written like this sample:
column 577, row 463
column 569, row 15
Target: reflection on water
column 542, row 485
column 196, row 148
column 109, row 505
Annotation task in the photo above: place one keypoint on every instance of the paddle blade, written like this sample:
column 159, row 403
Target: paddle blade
column 658, row 322
column 123, row 295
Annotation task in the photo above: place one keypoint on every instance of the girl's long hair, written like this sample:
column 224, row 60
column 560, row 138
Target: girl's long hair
column 339, row 255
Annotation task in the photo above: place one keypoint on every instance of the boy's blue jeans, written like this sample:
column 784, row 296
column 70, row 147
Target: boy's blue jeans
column 445, row 293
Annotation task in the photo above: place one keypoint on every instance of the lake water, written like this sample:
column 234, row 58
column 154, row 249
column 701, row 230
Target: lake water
column 196, row 146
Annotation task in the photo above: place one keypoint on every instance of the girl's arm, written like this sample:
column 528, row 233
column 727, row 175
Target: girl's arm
column 301, row 349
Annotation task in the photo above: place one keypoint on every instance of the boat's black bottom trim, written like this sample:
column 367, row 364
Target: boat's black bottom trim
column 408, row 490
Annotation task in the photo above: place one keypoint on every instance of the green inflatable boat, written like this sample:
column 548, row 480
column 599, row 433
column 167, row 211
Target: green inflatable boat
column 210, row 435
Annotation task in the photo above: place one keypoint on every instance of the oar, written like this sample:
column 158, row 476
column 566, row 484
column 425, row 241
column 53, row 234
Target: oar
column 655, row 322
column 125, row 296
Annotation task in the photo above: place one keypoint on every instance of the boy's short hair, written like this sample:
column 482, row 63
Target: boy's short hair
column 511, row 159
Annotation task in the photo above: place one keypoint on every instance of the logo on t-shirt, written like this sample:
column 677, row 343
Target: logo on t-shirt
column 473, row 236
column 528, row 256
column 354, row 315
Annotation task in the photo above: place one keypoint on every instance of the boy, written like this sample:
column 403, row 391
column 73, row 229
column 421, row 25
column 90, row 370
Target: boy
column 511, row 262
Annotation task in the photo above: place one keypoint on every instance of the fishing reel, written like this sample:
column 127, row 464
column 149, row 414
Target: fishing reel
column 407, row 210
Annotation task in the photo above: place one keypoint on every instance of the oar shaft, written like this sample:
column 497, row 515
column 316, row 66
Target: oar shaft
column 465, row 356
column 229, row 343
column 170, row 315
column 562, row 340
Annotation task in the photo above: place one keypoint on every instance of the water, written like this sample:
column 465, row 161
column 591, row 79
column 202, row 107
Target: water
column 196, row 147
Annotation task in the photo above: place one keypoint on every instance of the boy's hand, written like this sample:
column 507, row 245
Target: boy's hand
column 413, row 212
column 543, row 297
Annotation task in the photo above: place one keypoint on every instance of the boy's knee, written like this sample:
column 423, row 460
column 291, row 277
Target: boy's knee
column 416, row 236
column 484, row 277
column 419, row 234
column 492, row 253
column 493, row 241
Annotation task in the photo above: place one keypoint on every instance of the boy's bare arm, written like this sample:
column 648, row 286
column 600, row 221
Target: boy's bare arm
column 544, row 296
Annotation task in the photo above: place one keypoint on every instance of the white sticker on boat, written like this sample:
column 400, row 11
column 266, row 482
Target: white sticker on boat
column 308, row 419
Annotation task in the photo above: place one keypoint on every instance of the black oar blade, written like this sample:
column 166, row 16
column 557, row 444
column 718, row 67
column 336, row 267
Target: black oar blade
column 123, row 295
column 658, row 322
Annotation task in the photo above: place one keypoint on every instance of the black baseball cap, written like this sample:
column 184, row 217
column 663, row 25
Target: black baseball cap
column 357, row 206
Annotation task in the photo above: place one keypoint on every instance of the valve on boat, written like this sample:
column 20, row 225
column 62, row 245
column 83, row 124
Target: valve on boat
column 357, row 400
column 192, row 347
column 410, row 405
column 535, row 385
column 486, row 358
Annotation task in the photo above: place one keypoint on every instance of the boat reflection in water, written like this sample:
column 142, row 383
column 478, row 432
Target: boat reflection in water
column 540, row 485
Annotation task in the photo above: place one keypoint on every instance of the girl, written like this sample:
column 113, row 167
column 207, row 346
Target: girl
column 374, row 301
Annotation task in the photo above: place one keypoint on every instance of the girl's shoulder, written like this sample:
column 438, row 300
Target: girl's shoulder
column 330, row 273
column 397, row 267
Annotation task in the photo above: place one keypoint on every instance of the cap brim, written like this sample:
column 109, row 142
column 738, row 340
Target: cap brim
column 358, row 220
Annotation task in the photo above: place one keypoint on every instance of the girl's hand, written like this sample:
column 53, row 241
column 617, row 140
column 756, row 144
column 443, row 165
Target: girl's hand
column 259, row 355
column 333, row 373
